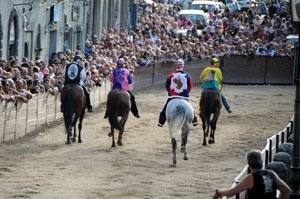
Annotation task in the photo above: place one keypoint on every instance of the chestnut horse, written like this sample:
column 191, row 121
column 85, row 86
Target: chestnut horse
column 73, row 107
column 179, row 115
column 117, row 105
column 210, row 104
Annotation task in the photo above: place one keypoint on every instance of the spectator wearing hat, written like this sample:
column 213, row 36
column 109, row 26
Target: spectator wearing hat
column 178, row 84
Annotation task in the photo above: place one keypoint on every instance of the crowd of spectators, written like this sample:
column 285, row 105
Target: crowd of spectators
column 155, row 39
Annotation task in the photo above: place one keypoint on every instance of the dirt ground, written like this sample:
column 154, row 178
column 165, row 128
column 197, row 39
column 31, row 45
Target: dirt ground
column 42, row 166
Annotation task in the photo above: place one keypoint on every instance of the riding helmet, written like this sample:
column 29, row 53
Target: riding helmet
column 214, row 61
column 77, row 58
column 120, row 62
column 180, row 64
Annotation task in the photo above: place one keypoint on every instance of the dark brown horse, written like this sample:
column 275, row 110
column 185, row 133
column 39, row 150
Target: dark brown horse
column 73, row 107
column 210, row 104
column 117, row 105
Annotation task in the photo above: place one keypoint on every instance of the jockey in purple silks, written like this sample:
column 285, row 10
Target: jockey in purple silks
column 121, row 78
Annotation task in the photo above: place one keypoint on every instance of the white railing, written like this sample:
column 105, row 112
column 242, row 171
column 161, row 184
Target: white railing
column 42, row 110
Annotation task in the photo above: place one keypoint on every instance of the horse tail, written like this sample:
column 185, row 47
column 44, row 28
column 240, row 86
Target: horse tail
column 177, row 117
column 68, row 108
column 178, row 121
column 113, row 112
column 208, row 107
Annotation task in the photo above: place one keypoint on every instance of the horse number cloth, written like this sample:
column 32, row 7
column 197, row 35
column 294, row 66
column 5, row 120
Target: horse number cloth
column 73, row 72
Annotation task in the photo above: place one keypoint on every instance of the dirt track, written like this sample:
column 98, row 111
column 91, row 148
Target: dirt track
column 44, row 167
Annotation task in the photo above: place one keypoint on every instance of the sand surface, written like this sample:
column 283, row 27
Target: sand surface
column 42, row 166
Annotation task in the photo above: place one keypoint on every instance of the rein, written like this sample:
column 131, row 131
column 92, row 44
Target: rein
column 193, row 101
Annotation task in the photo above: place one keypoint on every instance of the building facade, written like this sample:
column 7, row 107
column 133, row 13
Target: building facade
column 31, row 28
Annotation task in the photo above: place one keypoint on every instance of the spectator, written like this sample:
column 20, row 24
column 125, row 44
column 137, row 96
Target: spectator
column 49, row 86
column 3, row 95
column 272, row 10
column 259, row 183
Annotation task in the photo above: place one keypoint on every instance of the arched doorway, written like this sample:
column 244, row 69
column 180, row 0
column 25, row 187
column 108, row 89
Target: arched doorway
column 13, row 34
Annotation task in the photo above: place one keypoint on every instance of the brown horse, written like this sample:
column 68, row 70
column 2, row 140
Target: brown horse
column 117, row 105
column 73, row 107
column 210, row 103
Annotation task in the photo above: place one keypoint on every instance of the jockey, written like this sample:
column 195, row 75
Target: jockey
column 74, row 73
column 178, row 84
column 212, row 78
column 121, row 78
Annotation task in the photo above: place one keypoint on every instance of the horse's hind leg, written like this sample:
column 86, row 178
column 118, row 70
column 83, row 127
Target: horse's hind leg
column 183, row 146
column 213, row 128
column 205, row 134
column 112, row 135
column 122, row 123
column 79, row 131
column 119, row 142
column 174, row 147
column 69, row 134
column 80, row 126
column 74, row 127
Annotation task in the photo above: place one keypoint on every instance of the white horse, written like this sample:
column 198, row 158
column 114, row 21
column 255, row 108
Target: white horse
column 179, row 115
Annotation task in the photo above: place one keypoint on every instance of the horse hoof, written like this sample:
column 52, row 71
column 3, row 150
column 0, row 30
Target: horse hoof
column 120, row 143
column 79, row 141
column 173, row 165
column 204, row 144
column 109, row 134
column 73, row 140
column 68, row 142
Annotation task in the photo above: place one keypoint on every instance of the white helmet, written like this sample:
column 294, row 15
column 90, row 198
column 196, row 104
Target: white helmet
column 180, row 64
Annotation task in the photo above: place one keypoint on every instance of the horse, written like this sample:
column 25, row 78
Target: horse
column 117, row 105
column 210, row 103
column 73, row 103
column 179, row 114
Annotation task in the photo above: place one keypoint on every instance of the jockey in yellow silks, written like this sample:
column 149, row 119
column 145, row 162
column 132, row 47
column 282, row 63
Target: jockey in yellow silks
column 211, row 78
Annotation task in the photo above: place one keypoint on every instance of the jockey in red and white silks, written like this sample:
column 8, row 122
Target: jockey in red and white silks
column 178, row 84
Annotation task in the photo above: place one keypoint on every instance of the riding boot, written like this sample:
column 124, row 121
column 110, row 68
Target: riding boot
column 162, row 116
column 106, row 114
column 134, row 108
column 225, row 103
column 195, row 120
column 88, row 100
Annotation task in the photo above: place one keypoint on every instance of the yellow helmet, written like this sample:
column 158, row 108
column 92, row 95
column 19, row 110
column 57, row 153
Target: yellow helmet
column 214, row 61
